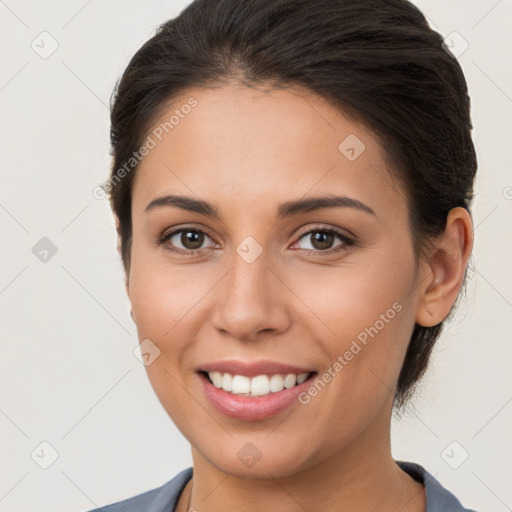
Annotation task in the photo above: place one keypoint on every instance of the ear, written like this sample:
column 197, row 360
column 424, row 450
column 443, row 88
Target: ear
column 445, row 268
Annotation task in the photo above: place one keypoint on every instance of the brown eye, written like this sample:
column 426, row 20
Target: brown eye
column 185, row 240
column 324, row 240
column 191, row 239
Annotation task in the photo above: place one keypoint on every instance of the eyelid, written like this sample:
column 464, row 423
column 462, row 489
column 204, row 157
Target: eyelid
column 348, row 239
column 192, row 227
column 324, row 227
column 169, row 233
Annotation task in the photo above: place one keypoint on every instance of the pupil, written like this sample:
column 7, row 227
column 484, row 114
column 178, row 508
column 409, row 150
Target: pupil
column 192, row 239
column 324, row 239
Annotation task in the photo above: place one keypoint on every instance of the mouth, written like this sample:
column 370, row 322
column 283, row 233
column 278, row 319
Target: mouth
column 258, row 385
column 255, row 398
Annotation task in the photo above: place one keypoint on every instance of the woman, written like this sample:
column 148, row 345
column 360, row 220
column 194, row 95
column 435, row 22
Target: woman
column 291, row 184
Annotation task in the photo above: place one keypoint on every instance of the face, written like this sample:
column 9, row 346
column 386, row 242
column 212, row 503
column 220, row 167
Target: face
column 330, row 289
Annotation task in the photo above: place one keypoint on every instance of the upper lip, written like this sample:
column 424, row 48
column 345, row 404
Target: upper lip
column 252, row 369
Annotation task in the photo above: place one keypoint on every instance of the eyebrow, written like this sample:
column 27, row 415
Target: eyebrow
column 286, row 209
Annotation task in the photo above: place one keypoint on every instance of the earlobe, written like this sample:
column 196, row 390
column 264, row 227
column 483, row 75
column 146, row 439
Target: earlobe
column 430, row 311
column 446, row 268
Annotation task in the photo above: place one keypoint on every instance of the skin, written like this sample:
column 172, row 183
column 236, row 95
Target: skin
column 246, row 151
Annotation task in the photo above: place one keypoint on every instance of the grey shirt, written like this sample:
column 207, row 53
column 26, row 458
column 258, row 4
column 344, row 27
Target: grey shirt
column 165, row 497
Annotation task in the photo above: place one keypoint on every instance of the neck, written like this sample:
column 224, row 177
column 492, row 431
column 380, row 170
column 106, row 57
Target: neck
column 361, row 476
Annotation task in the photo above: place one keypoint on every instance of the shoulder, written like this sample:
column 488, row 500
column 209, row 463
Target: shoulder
column 165, row 497
column 438, row 498
column 159, row 499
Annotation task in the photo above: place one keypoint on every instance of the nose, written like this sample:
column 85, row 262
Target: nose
column 251, row 300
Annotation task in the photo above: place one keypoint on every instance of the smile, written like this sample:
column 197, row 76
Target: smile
column 256, row 386
column 239, row 402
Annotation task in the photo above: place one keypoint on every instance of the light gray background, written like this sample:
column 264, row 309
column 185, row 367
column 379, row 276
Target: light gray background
column 68, row 375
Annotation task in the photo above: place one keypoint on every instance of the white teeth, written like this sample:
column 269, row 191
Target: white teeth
column 290, row 380
column 260, row 385
column 276, row 383
column 255, row 386
column 241, row 384
column 302, row 377
column 226, row 382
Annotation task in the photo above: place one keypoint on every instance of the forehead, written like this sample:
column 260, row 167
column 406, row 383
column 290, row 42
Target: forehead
column 235, row 143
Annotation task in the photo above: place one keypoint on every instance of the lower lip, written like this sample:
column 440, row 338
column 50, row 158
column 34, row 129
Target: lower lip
column 252, row 408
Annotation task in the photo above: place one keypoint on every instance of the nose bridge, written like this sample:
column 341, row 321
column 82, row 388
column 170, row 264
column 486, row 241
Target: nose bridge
column 250, row 295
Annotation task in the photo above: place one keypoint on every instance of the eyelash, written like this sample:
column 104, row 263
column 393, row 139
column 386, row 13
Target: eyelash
column 347, row 240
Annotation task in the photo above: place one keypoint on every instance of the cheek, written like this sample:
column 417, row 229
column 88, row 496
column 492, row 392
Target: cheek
column 346, row 300
column 164, row 300
column 365, row 315
column 165, row 296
